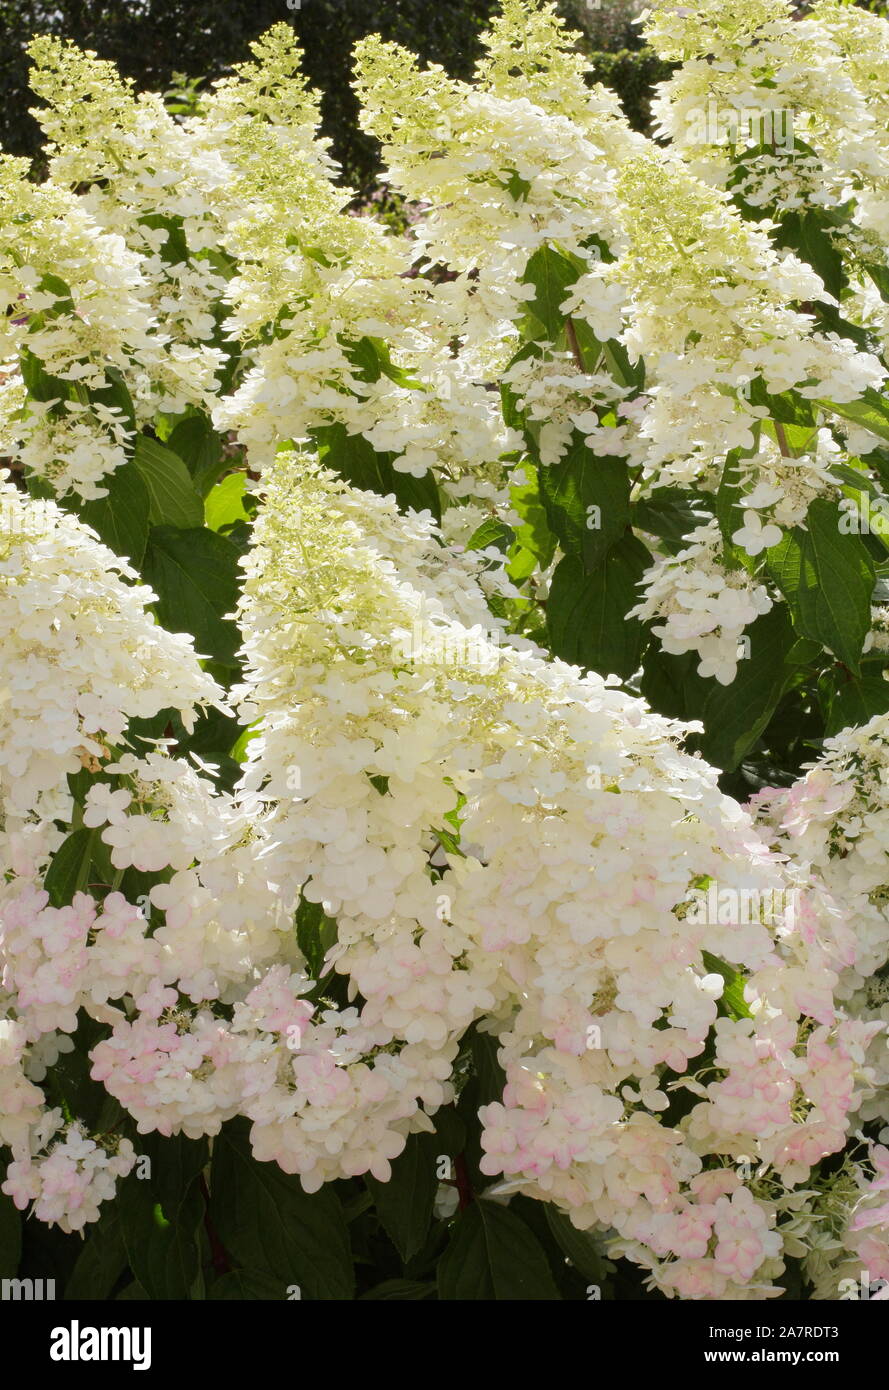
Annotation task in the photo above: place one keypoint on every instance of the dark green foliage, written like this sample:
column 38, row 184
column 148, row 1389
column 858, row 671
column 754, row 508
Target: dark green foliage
column 633, row 74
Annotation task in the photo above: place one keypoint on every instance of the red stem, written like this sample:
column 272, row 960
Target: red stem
column 221, row 1261
column 464, row 1186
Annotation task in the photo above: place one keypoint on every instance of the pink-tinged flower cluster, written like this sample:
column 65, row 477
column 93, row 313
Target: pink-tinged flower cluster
column 68, row 1184
column 684, row 995
column 868, row 1232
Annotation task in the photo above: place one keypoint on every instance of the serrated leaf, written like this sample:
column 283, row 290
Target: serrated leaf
column 163, row 1253
column 581, row 1247
column 356, row 460
column 195, row 574
column 269, row 1224
column 827, row 579
column 196, row 442
column 69, row 871
column 587, row 502
column 491, row 533
column 552, row 274
column 101, row 1262
column 404, row 1203
column 172, row 499
column 121, row 518
column 670, row 513
column 870, row 411
column 586, row 613
column 493, row 1256
column 855, row 702
column 735, row 715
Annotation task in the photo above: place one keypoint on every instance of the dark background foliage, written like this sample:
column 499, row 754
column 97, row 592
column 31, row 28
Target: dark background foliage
column 153, row 41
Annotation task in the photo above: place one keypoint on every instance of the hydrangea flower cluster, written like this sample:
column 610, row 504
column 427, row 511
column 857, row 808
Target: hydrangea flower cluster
column 686, row 996
column 835, row 820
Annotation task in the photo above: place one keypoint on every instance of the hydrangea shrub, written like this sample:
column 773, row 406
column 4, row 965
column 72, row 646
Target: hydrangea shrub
column 443, row 727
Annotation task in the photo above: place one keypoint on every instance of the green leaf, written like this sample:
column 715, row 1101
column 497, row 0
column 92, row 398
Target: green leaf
column 450, row 1131
column 69, row 872
column 491, row 533
column 493, row 1256
column 728, row 511
column 855, row 702
column 788, row 408
column 734, row 716
column 870, row 410
column 830, row 320
column 807, row 233
column 370, row 357
column 172, row 498
column 175, row 1164
column 858, row 479
column 175, row 249
column 880, row 276
column 121, row 518
column 587, row 502
column 116, row 395
column 163, row 1253
column 70, row 1086
column 356, row 460
column 509, row 400
column 670, row 513
column 486, row 1063
column 238, row 751
column 197, row 443
column 616, row 358
column 517, row 187
column 732, row 1003
column 586, row 613
column 133, row 1293
column 269, row 1224
column 581, row 1247
column 101, row 1262
column 534, row 534
column 827, row 579
column 315, row 934
column 195, row 574
column 225, row 502
column 40, row 385
column 552, row 274
column 404, row 1203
